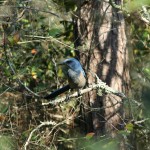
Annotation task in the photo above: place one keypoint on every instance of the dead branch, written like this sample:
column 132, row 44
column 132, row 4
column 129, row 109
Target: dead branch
column 100, row 86
column 37, row 128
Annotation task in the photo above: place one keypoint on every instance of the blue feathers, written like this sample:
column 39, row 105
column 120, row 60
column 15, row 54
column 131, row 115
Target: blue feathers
column 75, row 65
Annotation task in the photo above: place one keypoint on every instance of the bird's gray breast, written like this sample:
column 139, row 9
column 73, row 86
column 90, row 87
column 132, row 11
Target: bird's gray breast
column 76, row 79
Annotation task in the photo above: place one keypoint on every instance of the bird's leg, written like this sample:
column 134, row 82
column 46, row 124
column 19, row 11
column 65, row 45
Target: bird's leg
column 79, row 92
column 68, row 94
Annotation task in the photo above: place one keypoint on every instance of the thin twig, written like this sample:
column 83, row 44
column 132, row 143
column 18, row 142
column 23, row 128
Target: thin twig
column 37, row 128
column 141, row 121
column 13, row 70
column 4, row 91
column 33, row 9
column 49, row 37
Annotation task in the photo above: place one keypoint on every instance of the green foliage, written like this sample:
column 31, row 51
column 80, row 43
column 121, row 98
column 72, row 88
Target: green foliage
column 7, row 143
column 40, row 32
column 139, row 50
column 69, row 5
column 133, row 5
column 129, row 127
column 38, row 36
column 36, row 39
column 140, row 41
column 3, row 108
column 103, row 143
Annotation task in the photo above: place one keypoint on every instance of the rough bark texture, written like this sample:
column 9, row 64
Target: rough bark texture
column 101, row 41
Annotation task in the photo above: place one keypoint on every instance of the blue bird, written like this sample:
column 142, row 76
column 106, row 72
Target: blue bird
column 75, row 75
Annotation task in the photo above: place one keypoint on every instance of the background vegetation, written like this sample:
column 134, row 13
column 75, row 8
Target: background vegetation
column 35, row 36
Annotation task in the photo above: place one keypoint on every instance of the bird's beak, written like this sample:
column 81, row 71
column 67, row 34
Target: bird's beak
column 61, row 63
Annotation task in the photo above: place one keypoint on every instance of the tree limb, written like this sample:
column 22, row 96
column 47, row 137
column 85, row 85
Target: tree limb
column 99, row 86
column 37, row 128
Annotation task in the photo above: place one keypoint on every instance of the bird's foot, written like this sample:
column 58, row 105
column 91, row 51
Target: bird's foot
column 67, row 97
column 79, row 93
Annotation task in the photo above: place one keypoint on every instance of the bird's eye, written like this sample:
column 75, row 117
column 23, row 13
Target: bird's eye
column 68, row 62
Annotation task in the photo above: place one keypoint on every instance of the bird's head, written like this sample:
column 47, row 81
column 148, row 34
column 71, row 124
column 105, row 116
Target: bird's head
column 74, row 64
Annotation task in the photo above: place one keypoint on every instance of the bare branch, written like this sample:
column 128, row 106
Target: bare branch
column 45, row 38
column 99, row 86
column 37, row 128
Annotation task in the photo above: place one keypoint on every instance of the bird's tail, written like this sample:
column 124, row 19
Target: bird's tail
column 57, row 92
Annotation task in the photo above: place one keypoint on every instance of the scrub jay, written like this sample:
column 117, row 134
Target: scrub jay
column 75, row 75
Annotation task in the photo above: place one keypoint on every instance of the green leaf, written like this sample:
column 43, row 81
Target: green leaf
column 54, row 32
column 147, row 70
column 129, row 126
column 25, row 20
column 3, row 108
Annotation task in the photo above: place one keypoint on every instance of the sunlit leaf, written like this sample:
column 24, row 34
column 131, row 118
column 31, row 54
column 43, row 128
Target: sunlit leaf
column 129, row 126
column 34, row 75
column 16, row 37
column 136, row 51
column 2, row 117
column 147, row 70
column 90, row 135
column 33, row 51
column 24, row 20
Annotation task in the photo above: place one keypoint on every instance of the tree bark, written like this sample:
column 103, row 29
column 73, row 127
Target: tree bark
column 100, row 36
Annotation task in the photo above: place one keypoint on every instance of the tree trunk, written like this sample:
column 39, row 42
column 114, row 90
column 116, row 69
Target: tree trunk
column 100, row 36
